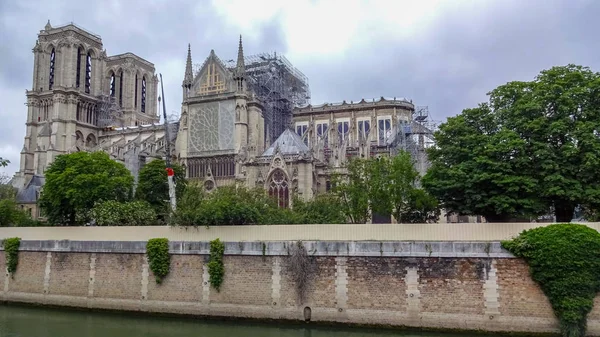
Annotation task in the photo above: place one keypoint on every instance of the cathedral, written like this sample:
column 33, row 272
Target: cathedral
column 246, row 121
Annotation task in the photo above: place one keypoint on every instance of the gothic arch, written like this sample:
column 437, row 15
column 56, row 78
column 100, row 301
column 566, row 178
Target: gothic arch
column 79, row 144
column 92, row 52
column 49, row 48
column 278, row 186
column 90, row 141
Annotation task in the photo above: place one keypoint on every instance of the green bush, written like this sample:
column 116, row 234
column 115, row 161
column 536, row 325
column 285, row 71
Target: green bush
column 242, row 206
column 11, row 215
column 322, row 209
column 564, row 259
column 216, row 270
column 159, row 258
column 11, row 249
column 114, row 213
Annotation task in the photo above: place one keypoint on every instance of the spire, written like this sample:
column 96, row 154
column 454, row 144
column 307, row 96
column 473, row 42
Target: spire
column 240, row 69
column 189, row 76
column 48, row 26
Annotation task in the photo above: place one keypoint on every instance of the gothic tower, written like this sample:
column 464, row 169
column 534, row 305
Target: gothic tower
column 77, row 91
column 241, row 107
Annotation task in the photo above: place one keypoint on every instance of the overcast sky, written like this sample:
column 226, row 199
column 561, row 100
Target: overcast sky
column 443, row 54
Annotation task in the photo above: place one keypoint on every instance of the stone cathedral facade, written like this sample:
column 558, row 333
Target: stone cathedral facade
column 81, row 99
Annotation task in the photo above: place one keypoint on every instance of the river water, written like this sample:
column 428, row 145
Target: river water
column 17, row 321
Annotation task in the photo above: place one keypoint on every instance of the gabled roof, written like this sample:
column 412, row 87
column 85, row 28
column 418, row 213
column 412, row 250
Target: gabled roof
column 29, row 194
column 288, row 142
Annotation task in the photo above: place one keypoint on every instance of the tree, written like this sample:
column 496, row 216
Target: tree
column 476, row 168
column 4, row 162
column 153, row 186
column 532, row 148
column 324, row 208
column 76, row 181
column 386, row 185
column 352, row 189
column 7, row 191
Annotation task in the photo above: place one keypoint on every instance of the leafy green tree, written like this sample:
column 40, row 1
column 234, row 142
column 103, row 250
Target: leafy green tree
column 351, row 189
column 132, row 213
column 476, row 168
column 76, row 181
column 386, row 185
column 7, row 191
column 153, row 186
column 322, row 209
column 532, row 148
column 4, row 162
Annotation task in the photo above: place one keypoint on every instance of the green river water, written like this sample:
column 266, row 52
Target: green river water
column 18, row 321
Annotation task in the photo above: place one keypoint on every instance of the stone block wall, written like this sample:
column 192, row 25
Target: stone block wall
column 472, row 290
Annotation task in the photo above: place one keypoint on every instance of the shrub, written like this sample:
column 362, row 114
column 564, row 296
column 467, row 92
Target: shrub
column 216, row 270
column 159, row 259
column 114, row 213
column 322, row 209
column 11, row 215
column 11, row 249
column 564, row 259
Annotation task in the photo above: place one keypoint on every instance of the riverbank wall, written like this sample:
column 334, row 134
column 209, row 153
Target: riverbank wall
column 431, row 284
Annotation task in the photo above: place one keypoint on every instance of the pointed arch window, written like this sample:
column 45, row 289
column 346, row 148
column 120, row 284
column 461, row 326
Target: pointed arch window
column 51, row 75
column 279, row 188
column 88, row 73
column 112, row 84
column 136, row 91
column 121, row 89
column 78, row 67
column 144, row 94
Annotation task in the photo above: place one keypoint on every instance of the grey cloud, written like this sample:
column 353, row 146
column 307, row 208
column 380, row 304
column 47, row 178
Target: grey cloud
column 448, row 65
column 452, row 65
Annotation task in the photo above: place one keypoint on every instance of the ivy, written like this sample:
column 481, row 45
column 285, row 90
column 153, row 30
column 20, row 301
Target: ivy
column 216, row 271
column 564, row 259
column 158, row 257
column 11, row 249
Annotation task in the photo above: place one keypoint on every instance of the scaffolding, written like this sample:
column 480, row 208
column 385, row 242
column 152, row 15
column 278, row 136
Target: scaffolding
column 109, row 112
column 279, row 86
column 415, row 137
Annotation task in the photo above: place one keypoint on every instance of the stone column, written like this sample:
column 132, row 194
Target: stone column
column 36, row 61
column 118, row 86
column 82, row 70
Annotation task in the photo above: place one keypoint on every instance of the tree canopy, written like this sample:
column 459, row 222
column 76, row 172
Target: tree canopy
column 4, row 162
column 76, row 181
column 153, row 186
column 533, row 147
column 386, row 185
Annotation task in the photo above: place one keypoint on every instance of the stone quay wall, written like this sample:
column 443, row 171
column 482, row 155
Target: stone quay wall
column 423, row 284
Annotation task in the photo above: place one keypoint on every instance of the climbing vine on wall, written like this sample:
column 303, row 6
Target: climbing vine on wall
column 302, row 269
column 158, row 257
column 11, row 249
column 564, row 259
column 216, row 270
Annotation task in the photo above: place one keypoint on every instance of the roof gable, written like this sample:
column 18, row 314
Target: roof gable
column 213, row 77
column 288, row 142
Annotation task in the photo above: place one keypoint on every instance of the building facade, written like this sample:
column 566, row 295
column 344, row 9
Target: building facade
column 247, row 122
column 81, row 99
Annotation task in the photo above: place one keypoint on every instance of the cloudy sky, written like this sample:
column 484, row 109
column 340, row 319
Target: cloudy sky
column 443, row 54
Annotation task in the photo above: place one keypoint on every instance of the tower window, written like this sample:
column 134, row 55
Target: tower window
column 112, row 84
column 51, row 77
column 88, row 73
column 144, row 94
column 136, row 89
column 78, row 67
column 121, row 90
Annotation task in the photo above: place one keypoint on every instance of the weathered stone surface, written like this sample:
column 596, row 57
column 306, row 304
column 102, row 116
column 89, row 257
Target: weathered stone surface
column 353, row 282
